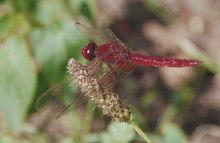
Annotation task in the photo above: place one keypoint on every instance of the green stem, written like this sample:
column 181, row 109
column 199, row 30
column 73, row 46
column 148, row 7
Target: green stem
column 140, row 132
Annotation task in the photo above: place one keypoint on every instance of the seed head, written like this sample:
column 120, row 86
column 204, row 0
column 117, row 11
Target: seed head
column 104, row 98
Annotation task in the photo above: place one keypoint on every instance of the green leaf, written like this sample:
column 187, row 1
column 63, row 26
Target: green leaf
column 118, row 132
column 24, row 5
column 50, row 11
column 59, row 40
column 6, row 139
column 86, row 8
column 54, row 45
column 172, row 133
column 18, row 81
column 5, row 26
column 67, row 140
column 50, row 52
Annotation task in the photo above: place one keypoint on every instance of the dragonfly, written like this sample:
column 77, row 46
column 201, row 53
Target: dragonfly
column 105, row 48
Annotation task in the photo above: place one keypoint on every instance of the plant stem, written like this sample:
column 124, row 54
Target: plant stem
column 140, row 132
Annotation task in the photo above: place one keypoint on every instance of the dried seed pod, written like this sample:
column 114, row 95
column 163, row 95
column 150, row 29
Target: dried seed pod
column 107, row 100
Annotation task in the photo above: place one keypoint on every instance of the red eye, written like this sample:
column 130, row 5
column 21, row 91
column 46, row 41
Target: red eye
column 88, row 51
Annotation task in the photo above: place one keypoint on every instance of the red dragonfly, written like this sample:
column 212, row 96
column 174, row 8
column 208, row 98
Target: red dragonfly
column 107, row 48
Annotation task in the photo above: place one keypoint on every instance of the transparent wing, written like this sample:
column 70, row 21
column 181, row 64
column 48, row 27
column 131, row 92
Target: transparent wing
column 100, row 37
column 61, row 96
column 105, row 81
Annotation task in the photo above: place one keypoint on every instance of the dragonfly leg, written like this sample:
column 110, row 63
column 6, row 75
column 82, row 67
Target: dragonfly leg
column 108, row 79
column 110, row 76
column 113, row 73
column 94, row 66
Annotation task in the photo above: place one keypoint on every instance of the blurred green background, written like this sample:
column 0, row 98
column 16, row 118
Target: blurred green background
column 37, row 37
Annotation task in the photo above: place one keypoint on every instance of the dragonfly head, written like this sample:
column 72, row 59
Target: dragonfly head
column 88, row 51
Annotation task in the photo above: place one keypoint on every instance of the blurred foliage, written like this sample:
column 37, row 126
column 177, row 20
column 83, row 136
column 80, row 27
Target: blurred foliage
column 18, row 82
column 35, row 39
column 118, row 132
column 38, row 37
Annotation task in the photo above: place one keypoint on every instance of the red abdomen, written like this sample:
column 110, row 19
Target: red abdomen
column 142, row 60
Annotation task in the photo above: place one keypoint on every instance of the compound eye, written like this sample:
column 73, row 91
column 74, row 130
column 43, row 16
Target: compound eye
column 88, row 51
